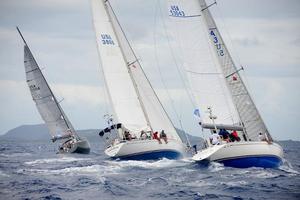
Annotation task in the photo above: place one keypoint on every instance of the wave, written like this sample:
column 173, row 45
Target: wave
column 15, row 155
column 215, row 167
column 55, row 160
column 95, row 170
column 3, row 174
column 163, row 163
column 287, row 167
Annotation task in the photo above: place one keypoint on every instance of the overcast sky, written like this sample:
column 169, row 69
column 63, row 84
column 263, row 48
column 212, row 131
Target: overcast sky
column 263, row 36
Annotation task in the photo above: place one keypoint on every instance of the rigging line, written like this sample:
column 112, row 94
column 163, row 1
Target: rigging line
column 107, row 105
column 234, row 49
column 215, row 60
column 244, row 79
column 160, row 73
column 175, row 61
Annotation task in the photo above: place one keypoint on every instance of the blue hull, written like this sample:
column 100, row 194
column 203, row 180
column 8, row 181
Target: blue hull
column 152, row 156
column 253, row 161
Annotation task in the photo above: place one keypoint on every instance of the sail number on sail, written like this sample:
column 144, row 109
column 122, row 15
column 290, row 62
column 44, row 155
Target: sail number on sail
column 176, row 12
column 218, row 45
column 107, row 40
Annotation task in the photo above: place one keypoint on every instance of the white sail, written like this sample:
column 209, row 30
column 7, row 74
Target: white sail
column 133, row 99
column 200, row 63
column 121, row 89
column 47, row 105
column 155, row 113
column 212, row 73
column 244, row 104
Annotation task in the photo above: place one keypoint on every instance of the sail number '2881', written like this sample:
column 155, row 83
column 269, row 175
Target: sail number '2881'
column 218, row 45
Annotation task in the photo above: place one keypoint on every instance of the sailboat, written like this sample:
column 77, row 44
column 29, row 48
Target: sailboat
column 222, row 99
column 51, row 112
column 137, row 117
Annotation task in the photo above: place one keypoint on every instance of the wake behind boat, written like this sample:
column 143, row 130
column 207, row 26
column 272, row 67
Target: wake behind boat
column 51, row 112
column 138, row 117
column 224, row 103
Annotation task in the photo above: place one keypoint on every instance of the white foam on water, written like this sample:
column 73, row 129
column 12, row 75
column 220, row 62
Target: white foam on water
column 235, row 183
column 55, row 160
column 163, row 163
column 96, row 170
column 15, row 155
column 287, row 167
column 215, row 167
column 199, row 183
column 263, row 173
column 3, row 174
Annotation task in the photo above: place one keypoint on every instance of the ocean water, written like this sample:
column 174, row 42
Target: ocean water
column 35, row 171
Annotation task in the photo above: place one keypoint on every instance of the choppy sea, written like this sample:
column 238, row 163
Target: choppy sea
column 35, row 171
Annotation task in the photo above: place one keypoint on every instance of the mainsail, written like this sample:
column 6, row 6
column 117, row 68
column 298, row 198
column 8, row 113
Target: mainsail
column 213, row 76
column 46, row 103
column 138, row 104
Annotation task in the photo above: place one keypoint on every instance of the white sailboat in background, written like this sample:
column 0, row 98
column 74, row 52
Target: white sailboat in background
column 219, row 91
column 137, row 112
column 51, row 112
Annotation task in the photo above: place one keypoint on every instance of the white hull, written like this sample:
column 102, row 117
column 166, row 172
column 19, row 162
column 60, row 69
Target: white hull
column 79, row 146
column 146, row 149
column 243, row 154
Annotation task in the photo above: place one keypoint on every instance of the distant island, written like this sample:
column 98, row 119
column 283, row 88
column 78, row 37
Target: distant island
column 39, row 132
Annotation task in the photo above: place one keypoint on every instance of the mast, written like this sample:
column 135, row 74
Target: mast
column 128, row 64
column 243, row 102
column 152, row 105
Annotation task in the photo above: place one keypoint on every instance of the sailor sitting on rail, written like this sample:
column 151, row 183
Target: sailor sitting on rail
column 214, row 138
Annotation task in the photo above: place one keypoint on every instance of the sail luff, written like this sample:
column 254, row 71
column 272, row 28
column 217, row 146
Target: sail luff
column 243, row 101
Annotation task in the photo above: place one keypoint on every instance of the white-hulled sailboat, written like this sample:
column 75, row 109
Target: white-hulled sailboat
column 136, row 110
column 219, row 91
column 51, row 112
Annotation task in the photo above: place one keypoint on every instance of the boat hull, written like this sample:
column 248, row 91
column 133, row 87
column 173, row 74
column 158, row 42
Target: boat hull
column 146, row 150
column 244, row 154
column 81, row 146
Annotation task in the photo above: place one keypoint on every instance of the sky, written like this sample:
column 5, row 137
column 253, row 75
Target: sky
column 263, row 36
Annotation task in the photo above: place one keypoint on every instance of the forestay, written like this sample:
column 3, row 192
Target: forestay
column 47, row 105
column 123, row 96
column 154, row 111
column 223, row 67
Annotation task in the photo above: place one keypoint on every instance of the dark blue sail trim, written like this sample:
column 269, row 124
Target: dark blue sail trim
column 266, row 161
column 153, row 155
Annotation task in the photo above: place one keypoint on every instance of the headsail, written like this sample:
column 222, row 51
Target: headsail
column 46, row 103
column 211, row 71
column 200, row 64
